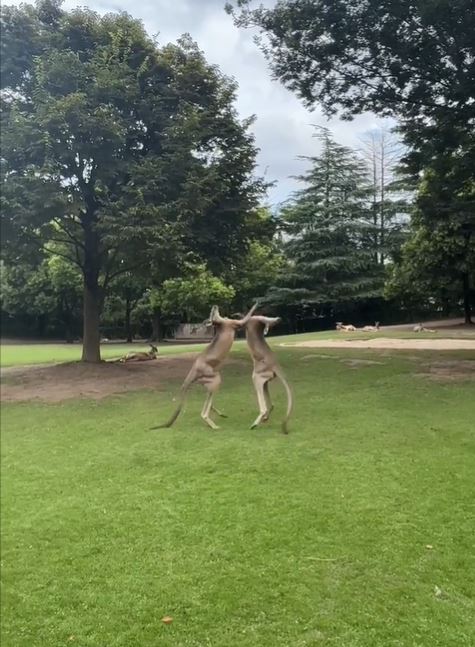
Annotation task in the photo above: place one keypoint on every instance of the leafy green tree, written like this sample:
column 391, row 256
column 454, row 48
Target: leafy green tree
column 126, row 292
column 436, row 270
column 116, row 148
column 232, row 265
column 28, row 295
column 46, row 295
column 191, row 296
column 412, row 60
column 331, row 249
column 259, row 270
column 65, row 280
column 445, row 209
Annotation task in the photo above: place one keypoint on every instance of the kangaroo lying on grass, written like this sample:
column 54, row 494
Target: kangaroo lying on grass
column 139, row 356
column 205, row 369
column 346, row 328
column 420, row 328
column 374, row 328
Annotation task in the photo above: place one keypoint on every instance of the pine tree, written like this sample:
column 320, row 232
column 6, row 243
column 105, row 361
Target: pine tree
column 331, row 245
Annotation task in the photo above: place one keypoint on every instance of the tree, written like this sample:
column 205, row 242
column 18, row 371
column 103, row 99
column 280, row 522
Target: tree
column 429, row 274
column 45, row 295
column 414, row 61
column 411, row 60
column 390, row 197
column 190, row 296
column 126, row 291
column 437, row 262
column 445, row 209
column 331, row 251
column 65, row 279
column 27, row 295
column 259, row 270
column 116, row 148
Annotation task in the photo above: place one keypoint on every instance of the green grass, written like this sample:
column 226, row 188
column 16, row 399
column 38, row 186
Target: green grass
column 24, row 354
column 246, row 538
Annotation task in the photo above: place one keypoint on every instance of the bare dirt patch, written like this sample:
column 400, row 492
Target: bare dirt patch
column 54, row 383
column 356, row 363
column 387, row 342
column 449, row 371
column 352, row 363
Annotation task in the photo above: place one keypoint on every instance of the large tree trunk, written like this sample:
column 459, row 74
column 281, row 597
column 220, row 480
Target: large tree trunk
column 128, row 328
column 91, row 341
column 467, row 308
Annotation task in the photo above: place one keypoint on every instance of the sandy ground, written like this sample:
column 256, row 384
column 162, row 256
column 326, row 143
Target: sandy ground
column 387, row 342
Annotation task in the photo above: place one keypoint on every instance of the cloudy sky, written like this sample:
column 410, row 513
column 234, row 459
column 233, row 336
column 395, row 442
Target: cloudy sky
column 283, row 128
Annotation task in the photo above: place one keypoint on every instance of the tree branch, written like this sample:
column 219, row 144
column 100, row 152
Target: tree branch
column 72, row 238
column 65, row 256
column 109, row 276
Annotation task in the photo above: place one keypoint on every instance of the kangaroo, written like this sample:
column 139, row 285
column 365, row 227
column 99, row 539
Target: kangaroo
column 205, row 369
column 141, row 356
column 266, row 368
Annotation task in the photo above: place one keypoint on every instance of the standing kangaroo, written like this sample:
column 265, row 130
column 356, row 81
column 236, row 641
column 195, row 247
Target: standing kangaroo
column 266, row 368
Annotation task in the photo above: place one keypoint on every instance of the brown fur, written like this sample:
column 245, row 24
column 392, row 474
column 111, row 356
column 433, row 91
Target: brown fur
column 266, row 368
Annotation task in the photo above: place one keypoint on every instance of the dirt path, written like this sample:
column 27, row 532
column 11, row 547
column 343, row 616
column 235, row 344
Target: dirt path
column 387, row 342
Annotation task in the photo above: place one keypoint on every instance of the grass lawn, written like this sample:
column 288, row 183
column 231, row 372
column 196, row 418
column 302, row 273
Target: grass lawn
column 24, row 354
column 356, row 530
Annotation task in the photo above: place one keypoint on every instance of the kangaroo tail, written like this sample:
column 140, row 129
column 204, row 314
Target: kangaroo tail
column 280, row 374
column 184, row 390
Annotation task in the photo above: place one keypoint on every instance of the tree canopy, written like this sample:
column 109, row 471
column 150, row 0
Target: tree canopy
column 118, row 149
column 412, row 60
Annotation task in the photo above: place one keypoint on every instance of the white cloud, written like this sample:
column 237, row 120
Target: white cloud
column 283, row 128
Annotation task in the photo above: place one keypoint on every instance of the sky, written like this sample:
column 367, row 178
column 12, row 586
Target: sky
column 283, row 127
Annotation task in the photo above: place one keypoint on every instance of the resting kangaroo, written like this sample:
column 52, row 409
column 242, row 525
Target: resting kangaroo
column 266, row 368
column 349, row 328
column 374, row 328
column 139, row 356
column 205, row 370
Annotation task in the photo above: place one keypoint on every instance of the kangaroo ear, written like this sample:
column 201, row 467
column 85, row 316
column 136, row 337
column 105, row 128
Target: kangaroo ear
column 270, row 322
